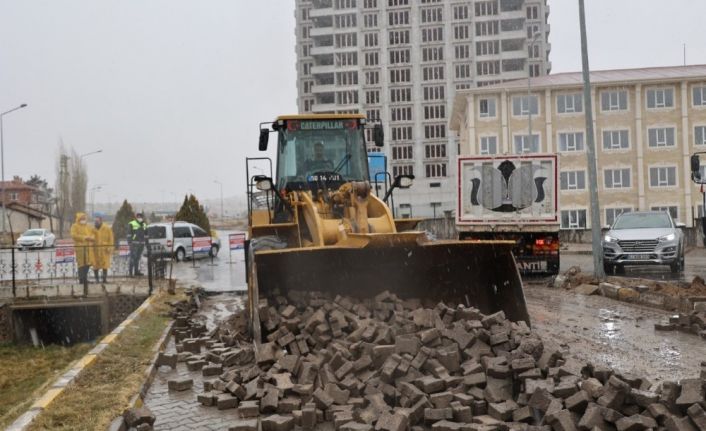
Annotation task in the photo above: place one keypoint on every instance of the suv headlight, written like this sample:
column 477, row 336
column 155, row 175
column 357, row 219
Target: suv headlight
column 609, row 238
column 665, row 238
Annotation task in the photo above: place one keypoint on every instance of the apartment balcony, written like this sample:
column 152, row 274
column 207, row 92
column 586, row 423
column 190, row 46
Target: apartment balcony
column 514, row 34
column 323, row 70
column 319, row 89
column 321, row 31
column 317, row 13
column 323, row 108
column 514, row 14
column 322, row 50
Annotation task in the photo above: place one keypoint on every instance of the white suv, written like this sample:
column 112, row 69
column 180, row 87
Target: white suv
column 164, row 236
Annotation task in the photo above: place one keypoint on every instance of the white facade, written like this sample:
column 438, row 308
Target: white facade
column 402, row 61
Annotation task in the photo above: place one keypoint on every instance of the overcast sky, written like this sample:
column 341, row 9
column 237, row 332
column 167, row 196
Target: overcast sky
column 172, row 91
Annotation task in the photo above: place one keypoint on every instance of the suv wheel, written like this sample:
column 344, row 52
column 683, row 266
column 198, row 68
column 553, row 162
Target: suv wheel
column 180, row 255
column 677, row 266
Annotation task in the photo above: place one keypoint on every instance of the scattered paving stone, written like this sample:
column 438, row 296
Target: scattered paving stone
column 180, row 384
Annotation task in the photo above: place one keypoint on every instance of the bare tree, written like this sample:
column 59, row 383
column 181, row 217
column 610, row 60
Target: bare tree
column 71, row 184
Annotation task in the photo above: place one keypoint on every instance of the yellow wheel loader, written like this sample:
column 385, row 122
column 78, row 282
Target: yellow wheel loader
column 316, row 226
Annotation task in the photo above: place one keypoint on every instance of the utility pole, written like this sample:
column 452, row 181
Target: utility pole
column 598, row 270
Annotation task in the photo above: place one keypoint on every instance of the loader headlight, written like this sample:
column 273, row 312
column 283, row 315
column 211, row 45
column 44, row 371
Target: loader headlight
column 665, row 238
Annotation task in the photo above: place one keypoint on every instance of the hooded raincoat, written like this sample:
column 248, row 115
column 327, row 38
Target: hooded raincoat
column 103, row 247
column 83, row 237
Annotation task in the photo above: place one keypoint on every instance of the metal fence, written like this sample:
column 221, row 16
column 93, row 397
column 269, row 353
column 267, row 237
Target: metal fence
column 59, row 265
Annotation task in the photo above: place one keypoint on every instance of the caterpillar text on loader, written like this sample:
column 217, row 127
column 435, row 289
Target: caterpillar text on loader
column 316, row 226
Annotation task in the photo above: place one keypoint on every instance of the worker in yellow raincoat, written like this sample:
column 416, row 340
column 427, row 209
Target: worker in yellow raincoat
column 83, row 237
column 102, row 248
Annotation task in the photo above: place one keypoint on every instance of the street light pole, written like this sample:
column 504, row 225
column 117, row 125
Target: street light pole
column 598, row 270
column 2, row 164
column 529, row 88
column 220, row 184
column 80, row 162
column 93, row 199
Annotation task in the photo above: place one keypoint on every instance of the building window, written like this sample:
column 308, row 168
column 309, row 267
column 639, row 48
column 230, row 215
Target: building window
column 572, row 141
column 402, row 152
column 663, row 176
column 435, row 53
column 524, row 145
column 522, row 105
column 572, row 180
column 432, row 15
column 488, row 145
column 370, row 39
column 433, row 34
column 673, row 210
column 461, row 32
column 488, row 68
column 433, row 93
column 699, row 95
column 569, row 103
column 433, row 131
column 486, row 8
column 435, row 170
column 612, row 213
column 614, row 100
column 615, row 140
column 401, row 133
column 372, row 97
column 660, row 98
column 462, row 52
column 463, row 71
column 533, row 12
column 490, row 47
column 432, row 112
column 433, row 73
column 616, row 178
column 400, row 75
column 403, row 113
column 400, row 56
column 398, row 18
column 460, row 12
column 14, row 196
column 700, row 135
column 573, row 219
column 486, row 108
column 372, row 59
column 372, row 77
column 402, row 170
column 399, row 37
column 370, row 4
column 435, row 151
column 401, row 94
column 661, row 137
column 487, row 28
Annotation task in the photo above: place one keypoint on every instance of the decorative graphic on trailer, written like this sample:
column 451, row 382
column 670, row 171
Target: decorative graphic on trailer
column 493, row 189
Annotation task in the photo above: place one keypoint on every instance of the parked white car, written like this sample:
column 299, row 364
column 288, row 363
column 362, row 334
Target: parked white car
column 36, row 238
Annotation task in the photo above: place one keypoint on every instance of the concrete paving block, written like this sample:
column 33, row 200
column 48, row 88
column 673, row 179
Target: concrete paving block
column 587, row 289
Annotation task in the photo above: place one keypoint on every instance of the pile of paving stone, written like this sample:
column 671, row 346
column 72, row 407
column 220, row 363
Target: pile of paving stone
column 391, row 364
column 693, row 323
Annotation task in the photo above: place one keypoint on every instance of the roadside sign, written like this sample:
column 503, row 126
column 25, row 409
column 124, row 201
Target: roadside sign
column 201, row 245
column 65, row 251
column 123, row 249
column 236, row 241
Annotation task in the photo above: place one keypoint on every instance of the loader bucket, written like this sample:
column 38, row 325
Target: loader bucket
column 480, row 274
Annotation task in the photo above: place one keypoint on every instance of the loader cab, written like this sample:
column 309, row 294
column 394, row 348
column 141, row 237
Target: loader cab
column 315, row 152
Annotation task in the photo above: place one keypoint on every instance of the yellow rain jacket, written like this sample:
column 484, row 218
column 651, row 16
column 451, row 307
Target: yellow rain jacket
column 103, row 247
column 83, row 237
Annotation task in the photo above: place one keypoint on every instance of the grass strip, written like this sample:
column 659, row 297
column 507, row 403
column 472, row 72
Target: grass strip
column 104, row 389
column 27, row 371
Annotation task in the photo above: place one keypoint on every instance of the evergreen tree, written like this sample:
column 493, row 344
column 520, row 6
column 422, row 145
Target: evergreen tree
column 124, row 215
column 192, row 211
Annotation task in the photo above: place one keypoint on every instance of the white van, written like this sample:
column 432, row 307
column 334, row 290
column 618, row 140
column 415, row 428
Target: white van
column 163, row 236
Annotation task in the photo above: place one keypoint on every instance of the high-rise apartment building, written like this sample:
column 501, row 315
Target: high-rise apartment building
column 402, row 61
